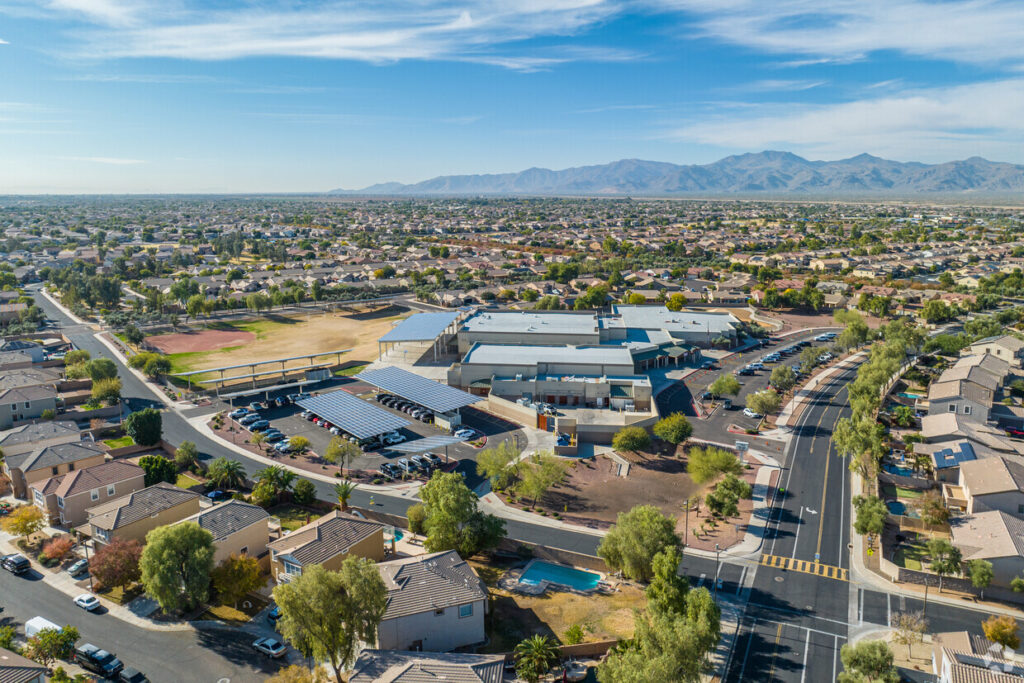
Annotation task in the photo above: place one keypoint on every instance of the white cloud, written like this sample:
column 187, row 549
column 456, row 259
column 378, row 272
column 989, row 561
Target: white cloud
column 933, row 124
column 109, row 161
column 779, row 85
column 976, row 31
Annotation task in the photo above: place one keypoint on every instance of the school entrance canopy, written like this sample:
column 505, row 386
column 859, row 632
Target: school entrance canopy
column 437, row 397
column 352, row 414
column 421, row 328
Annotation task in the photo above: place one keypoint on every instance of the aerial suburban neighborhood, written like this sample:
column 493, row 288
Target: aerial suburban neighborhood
column 538, row 439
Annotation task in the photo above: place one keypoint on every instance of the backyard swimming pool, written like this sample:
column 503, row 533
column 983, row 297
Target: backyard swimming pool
column 577, row 579
column 899, row 508
column 896, row 469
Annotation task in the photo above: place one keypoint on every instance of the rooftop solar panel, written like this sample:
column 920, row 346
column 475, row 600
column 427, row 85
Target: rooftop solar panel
column 353, row 415
column 438, row 397
column 421, row 327
column 425, row 444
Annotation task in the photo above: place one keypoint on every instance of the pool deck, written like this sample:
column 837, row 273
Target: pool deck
column 511, row 581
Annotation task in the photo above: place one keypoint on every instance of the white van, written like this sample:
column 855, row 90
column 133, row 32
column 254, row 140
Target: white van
column 37, row 624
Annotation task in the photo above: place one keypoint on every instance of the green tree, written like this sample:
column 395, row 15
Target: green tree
column 936, row 311
column 50, row 644
column 932, row 508
column 453, row 521
column 300, row 443
column 667, row 590
column 782, row 378
column 186, row 455
column 903, row 416
column 667, row 647
column 674, row 429
column 59, row 675
column 725, row 385
column 809, row 358
column 101, row 368
column 116, row 564
column 157, row 366
column 637, row 536
column 157, row 468
column 328, row 615
column 236, row 577
column 980, row 573
column 144, row 426
column 1001, row 629
column 304, row 492
column 257, row 439
column 497, row 463
column 909, row 628
column 227, row 474
column 541, row 471
column 133, row 335
column 631, row 439
column 7, row 635
column 871, row 515
column 23, row 521
column 945, row 558
column 764, row 402
column 176, row 564
column 195, row 305
column 76, row 356
column 341, row 452
column 534, row 657
column 704, row 464
column 277, row 478
column 417, row 516
column 867, row 662
column 343, row 491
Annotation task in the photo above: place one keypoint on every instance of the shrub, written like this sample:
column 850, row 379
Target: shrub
column 417, row 515
column 304, row 492
column 631, row 439
column 704, row 464
column 57, row 548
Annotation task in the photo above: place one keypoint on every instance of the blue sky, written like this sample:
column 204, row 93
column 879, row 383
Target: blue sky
column 307, row 95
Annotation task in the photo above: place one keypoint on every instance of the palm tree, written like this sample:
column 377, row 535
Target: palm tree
column 344, row 492
column 278, row 478
column 226, row 473
column 534, row 656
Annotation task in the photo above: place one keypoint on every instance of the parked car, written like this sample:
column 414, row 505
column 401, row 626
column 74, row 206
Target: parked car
column 259, row 426
column 284, row 446
column 427, row 417
column 273, row 437
column 746, row 370
column 249, row 419
column 307, row 415
column 388, row 470
column 465, row 433
column 88, row 602
column 392, row 438
column 92, row 658
column 706, row 396
column 750, row 413
column 274, row 614
column 240, row 412
column 255, row 405
column 130, row 675
column 433, row 458
column 79, row 568
column 709, row 364
column 270, row 647
column 422, row 463
column 15, row 563
column 406, row 466
column 381, row 397
column 335, row 431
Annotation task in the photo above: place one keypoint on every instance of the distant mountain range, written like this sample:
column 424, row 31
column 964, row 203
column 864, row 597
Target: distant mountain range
column 765, row 173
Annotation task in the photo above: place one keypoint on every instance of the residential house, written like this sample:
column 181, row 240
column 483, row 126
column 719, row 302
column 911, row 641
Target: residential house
column 33, row 349
column 28, row 437
column 1006, row 347
column 396, row 666
column 326, row 541
column 133, row 516
column 993, row 484
column 961, row 657
column 995, row 536
column 17, row 669
column 965, row 391
column 953, row 427
column 436, row 602
column 44, row 462
column 238, row 528
column 947, row 457
column 67, row 497
column 25, row 403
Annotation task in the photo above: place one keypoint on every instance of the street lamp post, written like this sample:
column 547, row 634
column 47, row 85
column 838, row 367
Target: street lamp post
column 686, row 525
column 717, row 569
column 85, row 544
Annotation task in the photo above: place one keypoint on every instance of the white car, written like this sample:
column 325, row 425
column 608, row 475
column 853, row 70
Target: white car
column 87, row 602
column 750, row 413
column 465, row 434
column 270, row 647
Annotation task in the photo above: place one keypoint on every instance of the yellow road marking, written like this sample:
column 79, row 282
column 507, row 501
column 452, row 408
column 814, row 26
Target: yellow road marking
column 827, row 571
column 775, row 651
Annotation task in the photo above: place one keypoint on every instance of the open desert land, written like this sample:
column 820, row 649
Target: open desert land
column 272, row 336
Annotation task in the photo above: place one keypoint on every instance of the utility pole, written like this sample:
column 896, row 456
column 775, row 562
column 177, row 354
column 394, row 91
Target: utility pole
column 717, row 570
column 686, row 525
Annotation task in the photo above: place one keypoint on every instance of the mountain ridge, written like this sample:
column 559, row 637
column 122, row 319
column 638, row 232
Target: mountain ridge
column 770, row 172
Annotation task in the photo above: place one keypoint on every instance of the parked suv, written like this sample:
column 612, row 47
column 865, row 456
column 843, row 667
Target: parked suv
column 98, row 661
column 16, row 564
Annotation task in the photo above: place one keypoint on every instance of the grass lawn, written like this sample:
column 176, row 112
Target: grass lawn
column 292, row 517
column 348, row 372
column 247, row 608
column 910, row 557
column 119, row 442
column 122, row 596
column 185, row 482
column 893, row 491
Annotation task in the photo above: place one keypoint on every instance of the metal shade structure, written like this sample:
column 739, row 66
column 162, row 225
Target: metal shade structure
column 352, row 414
column 425, row 444
column 435, row 396
column 422, row 328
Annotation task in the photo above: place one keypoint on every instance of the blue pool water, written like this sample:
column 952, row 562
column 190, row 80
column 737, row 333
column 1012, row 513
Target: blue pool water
column 906, row 395
column 898, row 508
column 397, row 533
column 576, row 579
column 896, row 469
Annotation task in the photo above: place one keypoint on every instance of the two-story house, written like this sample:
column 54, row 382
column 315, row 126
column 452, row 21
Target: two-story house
column 993, row 484
column 25, row 403
column 44, row 462
column 436, row 602
column 994, row 536
column 326, row 541
column 66, row 498
column 964, row 390
column 133, row 516
column 238, row 528
column 28, row 437
column 395, row 666
column 1005, row 347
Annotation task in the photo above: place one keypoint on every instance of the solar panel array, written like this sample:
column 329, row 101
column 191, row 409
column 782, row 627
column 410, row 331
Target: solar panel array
column 420, row 327
column 438, row 397
column 425, row 444
column 352, row 414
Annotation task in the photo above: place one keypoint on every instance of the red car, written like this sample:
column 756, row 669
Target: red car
column 1014, row 432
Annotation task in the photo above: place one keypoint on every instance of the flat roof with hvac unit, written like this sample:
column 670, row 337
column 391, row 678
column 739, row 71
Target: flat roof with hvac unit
column 421, row 327
column 352, row 414
column 438, row 397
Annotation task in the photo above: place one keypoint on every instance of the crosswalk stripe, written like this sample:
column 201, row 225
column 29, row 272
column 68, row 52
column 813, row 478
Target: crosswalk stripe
column 827, row 571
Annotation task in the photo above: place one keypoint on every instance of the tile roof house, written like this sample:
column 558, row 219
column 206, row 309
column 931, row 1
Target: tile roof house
column 238, row 528
column 1006, row 347
column 17, row 669
column 27, row 437
column 133, row 516
column 993, row 484
column 436, row 602
column 67, row 497
column 25, row 403
column 960, row 657
column 395, row 666
column 48, row 461
column 995, row 536
column 326, row 541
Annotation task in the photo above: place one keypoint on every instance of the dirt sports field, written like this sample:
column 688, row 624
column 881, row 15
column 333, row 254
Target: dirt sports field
column 271, row 336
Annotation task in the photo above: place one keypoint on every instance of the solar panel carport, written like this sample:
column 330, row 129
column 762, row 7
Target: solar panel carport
column 353, row 415
column 432, row 395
